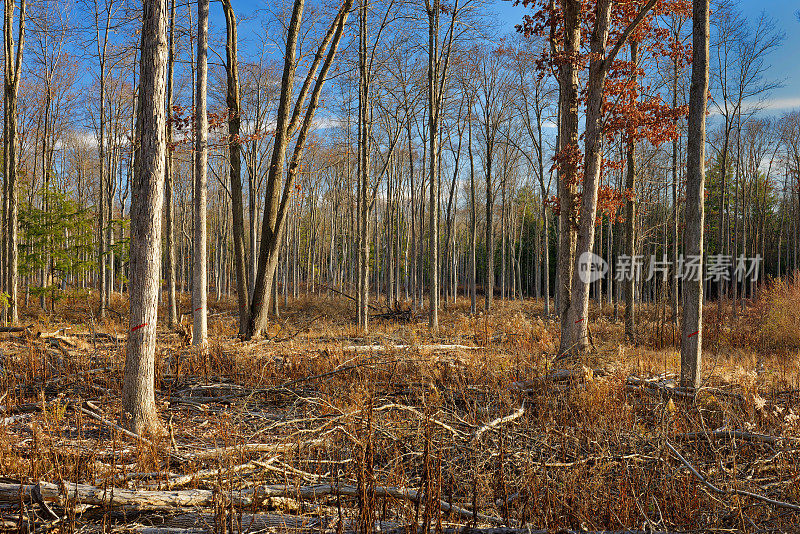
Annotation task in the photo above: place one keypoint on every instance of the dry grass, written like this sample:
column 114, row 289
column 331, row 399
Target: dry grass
column 589, row 452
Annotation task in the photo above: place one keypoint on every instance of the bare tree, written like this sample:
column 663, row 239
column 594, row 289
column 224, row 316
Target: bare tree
column 692, row 326
column 138, row 391
column 199, row 266
column 13, row 64
column 739, row 75
column 286, row 122
column 574, row 321
column 169, row 230
column 235, row 148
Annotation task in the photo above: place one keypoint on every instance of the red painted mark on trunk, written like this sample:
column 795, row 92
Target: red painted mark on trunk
column 693, row 334
column 578, row 321
column 135, row 328
column 198, row 309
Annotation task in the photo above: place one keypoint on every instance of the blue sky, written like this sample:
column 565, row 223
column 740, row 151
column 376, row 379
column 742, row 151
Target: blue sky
column 784, row 62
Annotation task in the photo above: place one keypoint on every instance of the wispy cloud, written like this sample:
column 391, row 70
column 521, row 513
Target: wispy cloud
column 782, row 104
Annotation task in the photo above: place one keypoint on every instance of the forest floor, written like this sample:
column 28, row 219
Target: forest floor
column 322, row 429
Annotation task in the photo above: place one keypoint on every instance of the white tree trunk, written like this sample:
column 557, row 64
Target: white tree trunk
column 200, row 268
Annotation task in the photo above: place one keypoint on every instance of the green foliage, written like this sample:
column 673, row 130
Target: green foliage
column 57, row 240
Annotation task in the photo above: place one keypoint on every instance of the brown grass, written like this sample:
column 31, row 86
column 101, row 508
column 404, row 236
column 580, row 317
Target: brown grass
column 587, row 453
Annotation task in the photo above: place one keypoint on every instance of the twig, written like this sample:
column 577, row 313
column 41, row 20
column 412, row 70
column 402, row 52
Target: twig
column 499, row 421
column 715, row 489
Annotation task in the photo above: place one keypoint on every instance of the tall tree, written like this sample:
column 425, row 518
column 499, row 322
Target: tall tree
column 630, row 215
column 574, row 321
column 287, row 120
column 363, row 152
column 235, row 155
column 739, row 73
column 692, row 326
column 103, row 13
column 169, row 195
column 147, row 196
column 199, row 256
column 13, row 64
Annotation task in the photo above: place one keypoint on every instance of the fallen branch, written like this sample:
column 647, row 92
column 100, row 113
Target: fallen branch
column 633, row 383
column 715, row 489
column 387, row 348
column 419, row 414
column 500, row 420
column 133, row 435
column 246, row 448
column 252, row 498
column 183, row 480
column 734, row 434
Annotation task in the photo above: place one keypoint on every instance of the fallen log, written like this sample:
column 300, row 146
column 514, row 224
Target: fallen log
column 252, row 498
column 10, row 329
column 251, row 523
column 99, row 335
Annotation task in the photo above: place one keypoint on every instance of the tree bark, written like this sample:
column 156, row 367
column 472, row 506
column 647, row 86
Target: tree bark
column 13, row 64
column 235, row 148
column 630, row 227
column 473, row 220
column 276, row 203
column 567, row 160
column 574, row 338
column 364, row 134
column 172, row 300
column 138, row 392
column 199, row 256
column 433, row 161
column 692, row 327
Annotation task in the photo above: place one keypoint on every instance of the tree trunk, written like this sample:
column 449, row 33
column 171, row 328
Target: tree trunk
column 235, row 148
column 489, row 278
column 363, row 171
column 274, row 219
column 138, row 392
column 567, row 165
column 574, row 338
column 473, row 222
column 674, row 225
column 630, row 230
column 433, row 160
column 692, row 327
column 172, row 301
column 13, row 64
column 199, row 256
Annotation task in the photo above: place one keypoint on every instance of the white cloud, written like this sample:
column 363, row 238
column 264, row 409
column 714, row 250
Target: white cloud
column 780, row 104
